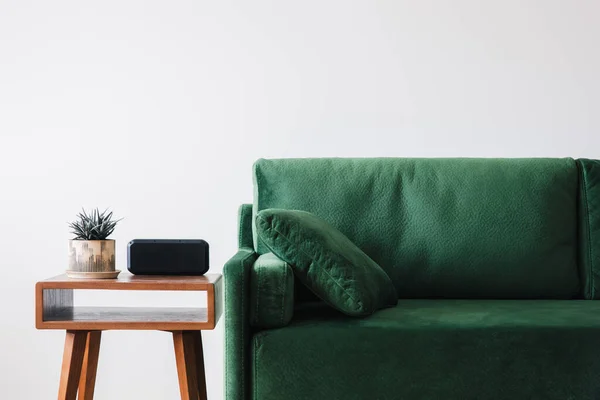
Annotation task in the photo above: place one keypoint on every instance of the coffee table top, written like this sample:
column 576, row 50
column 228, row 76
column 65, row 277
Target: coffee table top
column 126, row 281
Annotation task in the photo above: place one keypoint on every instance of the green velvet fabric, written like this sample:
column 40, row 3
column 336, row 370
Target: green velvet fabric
column 434, row 349
column 236, row 273
column 589, row 227
column 326, row 261
column 271, row 292
column 245, row 226
column 443, row 228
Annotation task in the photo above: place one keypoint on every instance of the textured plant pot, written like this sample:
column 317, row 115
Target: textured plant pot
column 91, row 256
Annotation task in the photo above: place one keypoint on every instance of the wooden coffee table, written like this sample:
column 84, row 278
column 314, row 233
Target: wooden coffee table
column 55, row 309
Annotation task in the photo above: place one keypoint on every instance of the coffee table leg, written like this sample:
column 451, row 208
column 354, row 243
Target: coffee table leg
column 87, row 382
column 190, row 364
column 71, row 364
column 199, row 359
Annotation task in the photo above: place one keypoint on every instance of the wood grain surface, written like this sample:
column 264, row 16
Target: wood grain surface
column 190, row 365
column 71, row 366
column 87, row 381
column 55, row 308
column 129, row 318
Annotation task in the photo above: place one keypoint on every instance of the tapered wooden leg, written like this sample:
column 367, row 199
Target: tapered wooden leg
column 71, row 364
column 87, row 382
column 190, row 364
column 199, row 361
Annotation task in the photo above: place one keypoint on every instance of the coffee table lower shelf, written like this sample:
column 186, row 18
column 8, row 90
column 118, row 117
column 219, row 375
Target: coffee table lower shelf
column 127, row 318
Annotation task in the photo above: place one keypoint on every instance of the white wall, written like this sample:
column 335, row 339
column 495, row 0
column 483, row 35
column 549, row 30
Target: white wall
column 158, row 109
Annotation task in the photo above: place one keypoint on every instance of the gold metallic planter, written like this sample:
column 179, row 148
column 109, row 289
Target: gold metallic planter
column 92, row 259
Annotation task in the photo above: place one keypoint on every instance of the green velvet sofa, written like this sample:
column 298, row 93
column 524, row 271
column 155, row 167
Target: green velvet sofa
column 496, row 263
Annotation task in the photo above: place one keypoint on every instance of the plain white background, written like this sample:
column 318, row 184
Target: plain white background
column 158, row 109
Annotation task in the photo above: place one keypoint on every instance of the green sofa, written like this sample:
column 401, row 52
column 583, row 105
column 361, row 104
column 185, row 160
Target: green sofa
column 495, row 262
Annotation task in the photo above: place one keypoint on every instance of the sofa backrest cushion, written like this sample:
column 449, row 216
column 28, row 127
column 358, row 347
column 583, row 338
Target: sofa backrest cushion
column 589, row 227
column 443, row 228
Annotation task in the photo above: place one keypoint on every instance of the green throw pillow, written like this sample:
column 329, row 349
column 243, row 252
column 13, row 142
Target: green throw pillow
column 326, row 261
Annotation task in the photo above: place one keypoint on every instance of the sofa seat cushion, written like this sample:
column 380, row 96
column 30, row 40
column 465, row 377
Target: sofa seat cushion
column 434, row 349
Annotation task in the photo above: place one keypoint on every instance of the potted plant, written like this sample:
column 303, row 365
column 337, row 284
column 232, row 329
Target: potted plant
column 91, row 254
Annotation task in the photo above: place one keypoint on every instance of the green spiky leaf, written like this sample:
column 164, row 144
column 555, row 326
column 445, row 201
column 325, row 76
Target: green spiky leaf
column 94, row 225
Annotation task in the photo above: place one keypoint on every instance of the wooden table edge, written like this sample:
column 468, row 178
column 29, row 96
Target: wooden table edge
column 159, row 283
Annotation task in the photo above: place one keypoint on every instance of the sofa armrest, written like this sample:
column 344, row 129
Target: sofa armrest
column 271, row 292
column 236, row 273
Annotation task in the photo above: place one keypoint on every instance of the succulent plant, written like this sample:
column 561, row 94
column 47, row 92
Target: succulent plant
column 95, row 225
